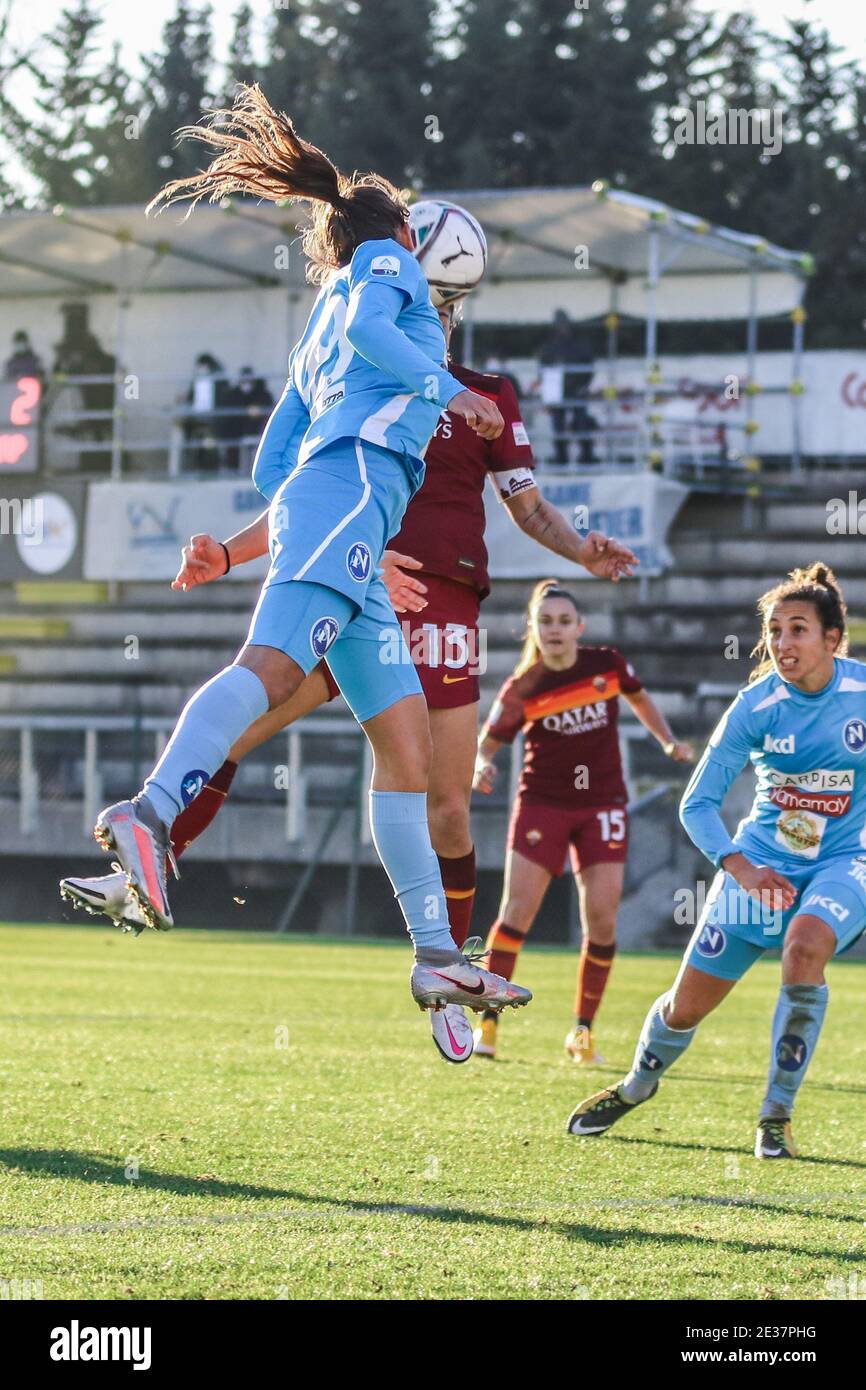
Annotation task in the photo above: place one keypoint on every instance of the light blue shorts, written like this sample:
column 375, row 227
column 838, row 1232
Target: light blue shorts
column 332, row 518
column 329, row 524
column 734, row 930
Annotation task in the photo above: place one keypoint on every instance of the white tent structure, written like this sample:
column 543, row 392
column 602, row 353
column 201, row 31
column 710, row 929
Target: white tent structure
column 232, row 277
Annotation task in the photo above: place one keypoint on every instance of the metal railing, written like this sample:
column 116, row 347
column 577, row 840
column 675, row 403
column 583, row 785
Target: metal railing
column 673, row 430
column 294, row 797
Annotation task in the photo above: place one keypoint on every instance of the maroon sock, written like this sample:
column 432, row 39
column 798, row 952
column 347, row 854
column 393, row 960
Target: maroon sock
column 503, row 943
column 593, row 973
column 458, row 880
column 195, row 818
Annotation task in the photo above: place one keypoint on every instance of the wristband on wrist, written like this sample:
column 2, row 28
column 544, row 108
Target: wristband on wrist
column 228, row 561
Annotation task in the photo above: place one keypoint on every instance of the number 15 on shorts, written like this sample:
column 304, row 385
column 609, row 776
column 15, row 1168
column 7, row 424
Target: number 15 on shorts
column 612, row 825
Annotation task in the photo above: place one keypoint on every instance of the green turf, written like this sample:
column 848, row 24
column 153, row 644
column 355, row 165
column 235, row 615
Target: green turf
column 354, row 1163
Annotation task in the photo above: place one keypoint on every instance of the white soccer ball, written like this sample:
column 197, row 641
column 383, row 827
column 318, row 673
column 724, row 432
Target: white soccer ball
column 451, row 248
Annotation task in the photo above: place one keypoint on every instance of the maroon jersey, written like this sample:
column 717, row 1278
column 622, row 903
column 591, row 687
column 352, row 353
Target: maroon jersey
column 569, row 719
column 444, row 522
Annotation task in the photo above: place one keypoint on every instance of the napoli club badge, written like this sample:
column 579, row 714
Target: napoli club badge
column 323, row 634
column 192, row 784
column 359, row 562
column 854, row 735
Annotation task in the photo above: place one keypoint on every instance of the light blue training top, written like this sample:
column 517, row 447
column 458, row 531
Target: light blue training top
column 809, row 755
column 369, row 365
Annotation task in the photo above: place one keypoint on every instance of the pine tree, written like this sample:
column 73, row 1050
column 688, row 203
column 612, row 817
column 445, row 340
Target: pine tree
column 60, row 143
column 358, row 79
column 294, row 75
column 178, row 83
column 240, row 65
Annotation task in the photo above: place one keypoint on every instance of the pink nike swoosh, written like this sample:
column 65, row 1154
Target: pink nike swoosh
column 458, row 1050
column 467, row 989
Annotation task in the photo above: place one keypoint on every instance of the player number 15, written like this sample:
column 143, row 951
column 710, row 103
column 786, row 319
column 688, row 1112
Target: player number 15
column 612, row 824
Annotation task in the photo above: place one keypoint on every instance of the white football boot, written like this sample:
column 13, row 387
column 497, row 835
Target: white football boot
column 461, row 981
column 107, row 896
column 141, row 842
column 452, row 1033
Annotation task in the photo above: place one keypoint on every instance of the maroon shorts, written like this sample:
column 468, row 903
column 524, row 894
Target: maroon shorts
column 545, row 833
column 443, row 642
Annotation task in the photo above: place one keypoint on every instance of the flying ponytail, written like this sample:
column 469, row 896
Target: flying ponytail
column 262, row 154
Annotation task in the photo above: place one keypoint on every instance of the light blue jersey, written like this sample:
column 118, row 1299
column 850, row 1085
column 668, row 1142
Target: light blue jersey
column 808, row 820
column 368, row 366
column 809, row 756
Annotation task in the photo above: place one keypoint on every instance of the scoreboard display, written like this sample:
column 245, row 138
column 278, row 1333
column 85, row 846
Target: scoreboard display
column 20, row 400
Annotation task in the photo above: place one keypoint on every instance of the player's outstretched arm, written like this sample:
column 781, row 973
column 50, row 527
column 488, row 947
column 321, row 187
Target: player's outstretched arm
column 723, row 759
column 372, row 330
column 206, row 559
column 545, row 523
column 653, row 719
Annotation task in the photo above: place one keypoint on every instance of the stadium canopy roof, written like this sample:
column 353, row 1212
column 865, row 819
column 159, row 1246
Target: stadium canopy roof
column 692, row 269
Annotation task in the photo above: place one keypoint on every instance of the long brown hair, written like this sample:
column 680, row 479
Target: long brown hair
column 262, row 154
column 545, row 588
column 817, row 585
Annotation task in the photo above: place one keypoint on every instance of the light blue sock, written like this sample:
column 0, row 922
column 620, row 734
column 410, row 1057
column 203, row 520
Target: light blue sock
column 213, row 719
column 658, row 1048
column 796, row 1028
column 401, row 835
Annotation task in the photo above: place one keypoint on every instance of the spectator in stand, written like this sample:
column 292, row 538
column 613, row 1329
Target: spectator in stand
column 79, row 353
column 208, row 392
column 253, row 402
column 566, row 362
column 24, row 360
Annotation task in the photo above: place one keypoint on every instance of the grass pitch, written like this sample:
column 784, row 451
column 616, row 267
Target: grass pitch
column 214, row 1116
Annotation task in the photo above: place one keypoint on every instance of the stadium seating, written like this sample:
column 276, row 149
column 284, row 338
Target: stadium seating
column 79, row 660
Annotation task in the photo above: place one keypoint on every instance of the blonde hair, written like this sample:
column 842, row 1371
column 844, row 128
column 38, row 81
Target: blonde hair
column 817, row 585
column 261, row 153
column 544, row 589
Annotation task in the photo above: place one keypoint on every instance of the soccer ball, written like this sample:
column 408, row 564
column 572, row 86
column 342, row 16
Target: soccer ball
column 451, row 248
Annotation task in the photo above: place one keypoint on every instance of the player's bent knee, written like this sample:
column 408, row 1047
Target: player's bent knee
column 802, row 959
column 449, row 817
column 682, row 1017
column 279, row 674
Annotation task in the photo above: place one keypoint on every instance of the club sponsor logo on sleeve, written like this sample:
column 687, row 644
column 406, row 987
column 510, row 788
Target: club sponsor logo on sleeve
column 511, row 483
column 518, row 429
column 385, row 265
column 333, row 395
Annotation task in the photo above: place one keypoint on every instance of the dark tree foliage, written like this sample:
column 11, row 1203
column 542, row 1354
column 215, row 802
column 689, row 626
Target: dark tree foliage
column 453, row 94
